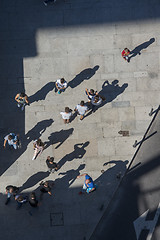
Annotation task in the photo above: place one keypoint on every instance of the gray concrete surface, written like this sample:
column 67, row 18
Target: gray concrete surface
column 40, row 44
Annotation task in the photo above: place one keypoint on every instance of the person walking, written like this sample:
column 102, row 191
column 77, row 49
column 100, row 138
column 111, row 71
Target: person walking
column 52, row 166
column 11, row 191
column 45, row 188
column 22, row 100
column 38, row 148
column 89, row 185
column 91, row 94
column 20, row 199
column 66, row 115
column 61, row 85
column 12, row 139
column 125, row 54
column 81, row 109
column 33, row 200
column 96, row 102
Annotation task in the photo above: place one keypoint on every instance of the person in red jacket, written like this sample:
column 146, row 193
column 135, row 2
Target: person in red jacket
column 125, row 54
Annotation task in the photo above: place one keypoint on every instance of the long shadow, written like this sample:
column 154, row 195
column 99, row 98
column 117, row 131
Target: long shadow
column 110, row 91
column 58, row 137
column 86, row 74
column 33, row 180
column 70, row 176
column 37, row 131
column 139, row 48
column 79, row 152
column 42, row 93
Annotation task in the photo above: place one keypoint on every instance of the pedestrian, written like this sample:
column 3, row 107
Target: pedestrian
column 33, row 200
column 96, row 102
column 38, row 148
column 125, row 54
column 52, row 166
column 12, row 139
column 22, row 100
column 66, row 115
column 45, row 188
column 89, row 185
column 61, row 85
column 11, row 191
column 20, row 200
column 91, row 94
column 48, row 1
column 81, row 109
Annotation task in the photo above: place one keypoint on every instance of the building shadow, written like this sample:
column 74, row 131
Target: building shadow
column 42, row 93
column 139, row 48
column 78, row 152
column 86, row 74
column 58, row 137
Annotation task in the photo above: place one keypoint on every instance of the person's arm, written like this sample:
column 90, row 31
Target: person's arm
column 57, row 86
column 87, row 91
column 4, row 144
column 26, row 99
column 84, row 174
column 16, row 97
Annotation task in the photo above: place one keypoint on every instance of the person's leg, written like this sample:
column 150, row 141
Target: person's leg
column 81, row 117
column 68, row 120
column 35, row 153
column 23, row 105
column 14, row 146
column 64, row 120
column 8, row 198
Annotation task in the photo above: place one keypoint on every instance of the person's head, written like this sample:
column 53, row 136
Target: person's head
column 10, row 137
column 39, row 142
column 96, row 98
column 126, row 49
column 51, row 159
column 67, row 109
column 62, row 80
column 33, row 195
column 22, row 94
column 46, row 184
column 82, row 103
column 11, row 190
column 91, row 91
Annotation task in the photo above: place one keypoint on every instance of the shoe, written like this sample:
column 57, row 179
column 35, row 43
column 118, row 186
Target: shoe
column 33, row 158
column 45, row 3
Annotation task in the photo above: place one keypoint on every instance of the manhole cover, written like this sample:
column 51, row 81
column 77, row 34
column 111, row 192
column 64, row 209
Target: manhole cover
column 56, row 219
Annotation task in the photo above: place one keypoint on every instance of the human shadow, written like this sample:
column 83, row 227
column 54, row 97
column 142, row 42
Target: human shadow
column 84, row 75
column 109, row 92
column 71, row 175
column 33, row 180
column 42, row 93
column 37, row 131
column 58, row 137
column 78, row 152
column 139, row 48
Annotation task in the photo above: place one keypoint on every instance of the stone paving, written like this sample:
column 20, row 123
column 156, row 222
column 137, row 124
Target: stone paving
column 61, row 49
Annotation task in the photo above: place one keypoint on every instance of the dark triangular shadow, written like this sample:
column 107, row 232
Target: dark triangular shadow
column 42, row 93
column 84, row 75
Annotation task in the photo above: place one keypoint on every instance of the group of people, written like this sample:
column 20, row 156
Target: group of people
column 94, row 100
column 45, row 187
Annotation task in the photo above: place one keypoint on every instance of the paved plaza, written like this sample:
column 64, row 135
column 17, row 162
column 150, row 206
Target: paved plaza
column 80, row 40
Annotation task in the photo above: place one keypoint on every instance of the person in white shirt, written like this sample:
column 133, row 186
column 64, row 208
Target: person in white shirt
column 66, row 115
column 61, row 85
column 81, row 109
